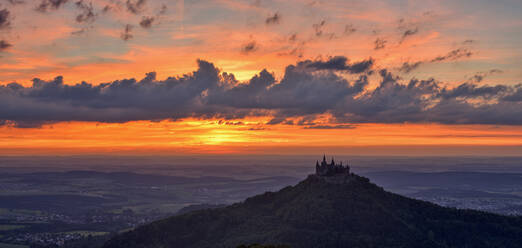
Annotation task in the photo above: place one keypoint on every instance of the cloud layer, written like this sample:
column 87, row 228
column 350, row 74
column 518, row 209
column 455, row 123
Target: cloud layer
column 307, row 89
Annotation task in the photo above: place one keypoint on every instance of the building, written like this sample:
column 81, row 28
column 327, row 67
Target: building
column 330, row 169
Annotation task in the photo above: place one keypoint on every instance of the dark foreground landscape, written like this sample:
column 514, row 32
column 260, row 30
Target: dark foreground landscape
column 339, row 210
column 51, row 206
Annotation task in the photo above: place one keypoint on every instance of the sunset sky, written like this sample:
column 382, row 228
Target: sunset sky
column 260, row 77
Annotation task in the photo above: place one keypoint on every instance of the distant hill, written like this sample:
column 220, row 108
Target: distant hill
column 453, row 179
column 336, row 211
column 196, row 207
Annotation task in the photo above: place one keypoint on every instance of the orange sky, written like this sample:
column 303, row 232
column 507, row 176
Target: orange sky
column 253, row 137
column 54, row 43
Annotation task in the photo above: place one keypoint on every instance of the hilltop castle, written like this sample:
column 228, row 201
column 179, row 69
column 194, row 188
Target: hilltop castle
column 330, row 169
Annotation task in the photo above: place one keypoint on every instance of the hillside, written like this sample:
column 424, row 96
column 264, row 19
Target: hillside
column 336, row 211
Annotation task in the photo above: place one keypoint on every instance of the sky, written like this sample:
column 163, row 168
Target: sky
column 260, row 77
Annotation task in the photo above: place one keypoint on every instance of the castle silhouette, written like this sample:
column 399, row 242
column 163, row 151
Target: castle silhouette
column 330, row 169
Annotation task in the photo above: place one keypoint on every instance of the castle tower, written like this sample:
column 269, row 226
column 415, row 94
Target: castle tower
column 331, row 169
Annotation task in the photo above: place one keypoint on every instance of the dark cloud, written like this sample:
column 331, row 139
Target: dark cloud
column 275, row 19
column 318, row 28
column 135, row 6
column 4, row 45
column 454, row 55
column 407, row 67
column 127, row 33
column 47, row 5
column 230, row 123
column 470, row 90
column 340, row 63
column 87, row 12
column 249, row 47
column 118, row 101
column 408, row 32
column 469, row 41
column 295, row 48
column 343, row 126
column 479, row 76
column 16, row 2
column 163, row 10
column 275, row 121
column 5, row 21
column 79, row 31
column 147, row 21
column 430, row 101
column 256, row 129
column 106, row 9
column 243, row 95
column 379, row 43
column 293, row 38
column 515, row 95
column 349, row 29
column 302, row 95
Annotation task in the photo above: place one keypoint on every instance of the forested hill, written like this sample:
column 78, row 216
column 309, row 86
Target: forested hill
column 339, row 211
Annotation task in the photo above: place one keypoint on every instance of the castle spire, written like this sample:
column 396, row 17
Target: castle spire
column 331, row 169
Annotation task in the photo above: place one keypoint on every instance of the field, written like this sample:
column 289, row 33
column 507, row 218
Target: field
column 87, row 233
column 10, row 227
column 64, row 206
column 4, row 245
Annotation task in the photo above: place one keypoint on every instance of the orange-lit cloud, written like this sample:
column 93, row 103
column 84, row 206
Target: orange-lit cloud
column 51, row 43
column 216, row 31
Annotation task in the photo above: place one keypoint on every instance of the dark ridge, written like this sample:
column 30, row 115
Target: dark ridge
column 339, row 210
